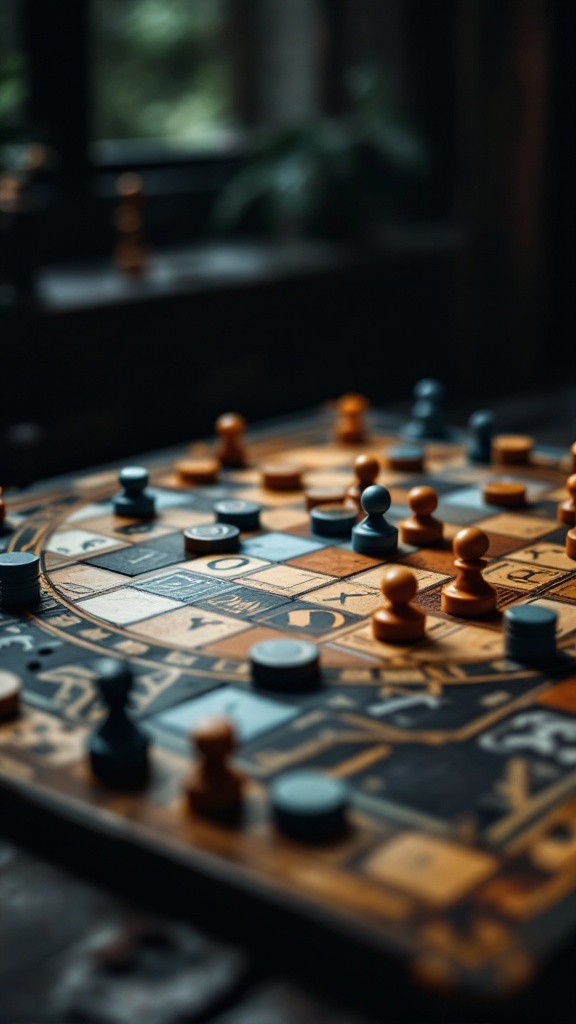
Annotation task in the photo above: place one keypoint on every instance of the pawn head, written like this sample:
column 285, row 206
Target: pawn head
column 482, row 420
column 213, row 736
column 430, row 389
column 423, row 500
column 376, row 499
column 230, row 424
column 399, row 584
column 133, row 478
column 114, row 680
column 352, row 404
column 470, row 544
column 366, row 468
column 571, row 486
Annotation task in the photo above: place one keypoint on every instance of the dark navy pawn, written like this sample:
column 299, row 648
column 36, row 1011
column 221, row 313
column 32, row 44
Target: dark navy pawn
column 118, row 748
column 374, row 535
column 428, row 411
column 134, row 502
column 481, row 427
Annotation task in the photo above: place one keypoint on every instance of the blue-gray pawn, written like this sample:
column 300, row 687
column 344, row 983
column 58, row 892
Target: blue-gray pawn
column 428, row 411
column 481, row 427
column 374, row 535
column 118, row 748
column 134, row 502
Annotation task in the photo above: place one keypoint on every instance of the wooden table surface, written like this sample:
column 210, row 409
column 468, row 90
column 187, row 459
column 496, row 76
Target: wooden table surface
column 79, row 947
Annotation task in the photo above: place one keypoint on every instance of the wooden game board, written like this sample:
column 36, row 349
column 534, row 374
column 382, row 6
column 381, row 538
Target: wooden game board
column 460, row 860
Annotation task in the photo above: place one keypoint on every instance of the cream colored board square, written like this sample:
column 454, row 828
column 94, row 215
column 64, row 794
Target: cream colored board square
column 523, row 527
column 347, row 596
column 190, row 627
column 461, row 644
column 80, row 580
column 262, row 496
column 372, row 577
column 320, row 457
column 222, row 566
column 126, row 605
column 80, row 543
column 329, row 478
column 112, row 526
column 182, row 518
column 430, row 868
column 553, row 556
column 87, row 512
column 285, row 580
column 283, row 518
column 521, row 575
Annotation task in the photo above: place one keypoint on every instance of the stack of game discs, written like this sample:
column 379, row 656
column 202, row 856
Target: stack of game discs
column 19, row 578
column 530, row 633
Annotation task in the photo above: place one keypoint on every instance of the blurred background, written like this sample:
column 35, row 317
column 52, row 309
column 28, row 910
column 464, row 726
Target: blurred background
column 259, row 204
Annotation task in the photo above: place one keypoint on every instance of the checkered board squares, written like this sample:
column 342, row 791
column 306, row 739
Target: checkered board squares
column 552, row 556
column 81, row 580
column 521, row 576
column 238, row 600
column 188, row 627
column 79, row 543
column 307, row 619
column 126, row 606
column 285, row 580
column 251, row 713
column 184, row 586
column 279, row 547
column 225, row 567
column 521, row 527
column 134, row 561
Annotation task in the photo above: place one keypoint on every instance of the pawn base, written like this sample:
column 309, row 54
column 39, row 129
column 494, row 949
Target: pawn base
column 142, row 507
column 391, row 626
column 421, row 534
column 214, row 795
column 567, row 513
column 467, row 606
column 368, row 542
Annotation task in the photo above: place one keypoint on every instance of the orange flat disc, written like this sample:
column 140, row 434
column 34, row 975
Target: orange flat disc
column 197, row 471
column 505, row 494
column 512, row 449
column 10, row 685
column 282, row 476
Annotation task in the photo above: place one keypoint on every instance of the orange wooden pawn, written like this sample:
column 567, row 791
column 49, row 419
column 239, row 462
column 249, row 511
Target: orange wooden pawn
column 350, row 427
column 397, row 620
column 469, row 594
column 230, row 428
column 421, row 528
column 366, row 470
column 213, row 786
column 571, row 544
column 567, row 509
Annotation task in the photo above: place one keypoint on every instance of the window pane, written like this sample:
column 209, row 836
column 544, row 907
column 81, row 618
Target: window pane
column 162, row 70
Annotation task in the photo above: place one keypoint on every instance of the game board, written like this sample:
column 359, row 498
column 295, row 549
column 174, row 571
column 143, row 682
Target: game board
column 460, row 858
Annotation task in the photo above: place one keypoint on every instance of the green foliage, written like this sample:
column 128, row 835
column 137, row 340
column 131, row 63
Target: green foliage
column 12, row 94
column 329, row 175
column 159, row 70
